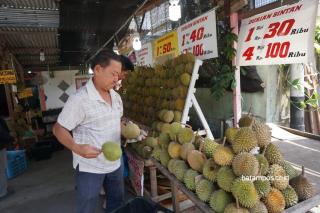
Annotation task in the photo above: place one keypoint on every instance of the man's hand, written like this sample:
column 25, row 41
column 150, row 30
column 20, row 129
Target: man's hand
column 86, row 150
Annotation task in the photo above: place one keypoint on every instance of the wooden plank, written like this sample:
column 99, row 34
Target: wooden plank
column 304, row 206
column 201, row 205
column 300, row 133
column 162, row 197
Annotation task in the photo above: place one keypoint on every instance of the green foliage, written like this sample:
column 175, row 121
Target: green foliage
column 223, row 77
column 317, row 34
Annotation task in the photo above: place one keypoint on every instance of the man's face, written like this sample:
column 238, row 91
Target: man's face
column 108, row 76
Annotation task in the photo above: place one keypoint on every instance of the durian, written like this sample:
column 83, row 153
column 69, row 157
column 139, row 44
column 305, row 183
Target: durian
column 273, row 154
column 291, row 172
column 235, row 208
column 174, row 150
column 244, row 141
column 290, row 196
column 278, row 177
column 204, row 189
column 189, row 179
column 186, row 135
column 263, row 186
column 302, row 186
column 263, row 134
column 274, row 201
column 245, row 192
column 210, row 170
column 259, row 208
column 196, row 160
column 164, row 157
column 209, row 146
column 130, row 130
column 222, row 155
column 179, row 169
column 246, row 121
column 185, row 149
column 230, row 134
column 225, row 178
column 219, row 200
column 245, row 164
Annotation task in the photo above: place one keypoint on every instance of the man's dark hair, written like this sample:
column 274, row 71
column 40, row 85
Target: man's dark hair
column 103, row 58
column 126, row 63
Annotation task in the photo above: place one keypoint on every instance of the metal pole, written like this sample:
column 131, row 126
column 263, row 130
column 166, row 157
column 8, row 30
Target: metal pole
column 296, row 96
column 237, row 91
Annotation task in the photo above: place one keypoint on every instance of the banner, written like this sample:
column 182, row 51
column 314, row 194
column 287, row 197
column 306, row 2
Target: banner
column 144, row 56
column 25, row 93
column 199, row 36
column 281, row 36
column 166, row 45
column 7, row 77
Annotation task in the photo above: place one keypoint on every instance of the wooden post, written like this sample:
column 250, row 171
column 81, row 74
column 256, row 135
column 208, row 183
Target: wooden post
column 237, row 91
column 153, row 181
column 175, row 201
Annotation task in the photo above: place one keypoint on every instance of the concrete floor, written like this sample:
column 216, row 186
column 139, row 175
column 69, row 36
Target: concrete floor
column 47, row 187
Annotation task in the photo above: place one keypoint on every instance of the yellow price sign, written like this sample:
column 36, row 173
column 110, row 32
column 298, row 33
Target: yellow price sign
column 7, row 77
column 166, row 45
column 25, row 93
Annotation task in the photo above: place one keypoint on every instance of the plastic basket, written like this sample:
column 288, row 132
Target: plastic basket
column 16, row 163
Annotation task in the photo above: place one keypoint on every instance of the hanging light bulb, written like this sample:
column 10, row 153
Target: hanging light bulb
column 90, row 71
column 42, row 58
column 174, row 10
column 136, row 44
column 115, row 48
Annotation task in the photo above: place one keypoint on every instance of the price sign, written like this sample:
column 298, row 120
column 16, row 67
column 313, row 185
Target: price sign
column 25, row 93
column 7, row 77
column 144, row 56
column 280, row 36
column 199, row 36
column 166, row 45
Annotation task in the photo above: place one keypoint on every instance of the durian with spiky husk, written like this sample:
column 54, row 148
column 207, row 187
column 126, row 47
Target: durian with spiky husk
column 185, row 79
column 263, row 186
column 164, row 157
column 209, row 146
column 151, row 141
column 171, row 165
column 223, row 155
column 174, row 150
column 263, row 134
column 189, row 179
column 290, row 196
column 302, row 186
column 210, row 170
column 204, row 188
column 245, row 164
column 165, row 128
column 225, row 178
column 196, row 160
column 164, row 140
column 185, row 149
column 291, row 172
column 177, row 116
column 244, row 141
column 274, row 201
column 179, row 169
column 131, row 131
column 245, row 192
column 167, row 116
column 263, row 164
column 231, row 134
column 156, row 153
column 186, row 135
column 234, row 208
column 278, row 177
column 219, row 200
column 174, row 130
column 259, row 208
column 273, row 154
column 246, row 121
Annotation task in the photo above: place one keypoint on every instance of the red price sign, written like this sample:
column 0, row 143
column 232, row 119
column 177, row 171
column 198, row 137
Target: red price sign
column 199, row 36
column 280, row 36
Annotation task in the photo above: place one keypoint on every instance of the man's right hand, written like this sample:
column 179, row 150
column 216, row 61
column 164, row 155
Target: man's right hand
column 86, row 150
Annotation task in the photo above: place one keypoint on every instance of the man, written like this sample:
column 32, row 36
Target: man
column 5, row 139
column 127, row 66
column 93, row 115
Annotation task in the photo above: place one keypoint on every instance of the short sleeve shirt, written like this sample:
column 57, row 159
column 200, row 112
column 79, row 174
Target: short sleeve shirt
column 93, row 121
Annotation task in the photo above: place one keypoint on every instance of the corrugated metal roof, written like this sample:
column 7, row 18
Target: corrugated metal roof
column 35, row 59
column 28, row 18
column 31, row 4
column 30, row 40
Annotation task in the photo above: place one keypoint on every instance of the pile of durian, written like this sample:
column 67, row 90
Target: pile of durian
column 156, row 96
column 228, row 175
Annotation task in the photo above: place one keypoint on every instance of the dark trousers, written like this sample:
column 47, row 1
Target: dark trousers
column 89, row 186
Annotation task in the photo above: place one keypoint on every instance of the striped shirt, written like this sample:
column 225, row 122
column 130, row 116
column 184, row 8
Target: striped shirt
column 93, row 121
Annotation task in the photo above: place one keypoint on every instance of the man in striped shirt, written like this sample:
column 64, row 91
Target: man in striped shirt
column 93, row 114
